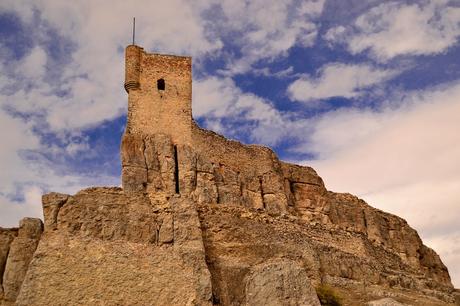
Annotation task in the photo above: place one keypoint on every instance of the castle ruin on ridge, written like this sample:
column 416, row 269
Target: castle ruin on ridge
column 202, row 220
column 196, row 162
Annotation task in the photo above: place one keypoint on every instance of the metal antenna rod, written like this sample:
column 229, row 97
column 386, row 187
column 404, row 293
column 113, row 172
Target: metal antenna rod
column 134, row 28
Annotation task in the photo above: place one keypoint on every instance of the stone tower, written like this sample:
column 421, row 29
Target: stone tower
column 159, row 111
column 159, row 94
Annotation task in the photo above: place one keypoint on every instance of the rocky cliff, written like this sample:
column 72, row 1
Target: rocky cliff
column 187, row 229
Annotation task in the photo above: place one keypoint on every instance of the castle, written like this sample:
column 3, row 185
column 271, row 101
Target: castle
column 202, row 220
column 195, row 162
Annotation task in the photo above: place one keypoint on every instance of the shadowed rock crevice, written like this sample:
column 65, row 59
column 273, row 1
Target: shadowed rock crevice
column 176, row 171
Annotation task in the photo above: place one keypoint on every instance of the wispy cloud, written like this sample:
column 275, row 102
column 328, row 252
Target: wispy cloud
column 338, row 80
column 392, row 29
column 263, row 32
column 227, row 107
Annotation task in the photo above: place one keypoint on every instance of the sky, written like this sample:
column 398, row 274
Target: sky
column 366, row 92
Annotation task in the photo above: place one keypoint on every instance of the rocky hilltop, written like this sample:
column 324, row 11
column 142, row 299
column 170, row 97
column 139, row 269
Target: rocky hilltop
column 202, row 220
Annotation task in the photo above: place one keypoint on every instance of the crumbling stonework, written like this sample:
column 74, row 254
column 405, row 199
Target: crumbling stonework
column 203, row 220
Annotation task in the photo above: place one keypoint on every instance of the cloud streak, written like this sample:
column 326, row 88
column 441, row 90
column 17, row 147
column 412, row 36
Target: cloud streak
column 393, row 29
column 338, row 80
column 263, row 32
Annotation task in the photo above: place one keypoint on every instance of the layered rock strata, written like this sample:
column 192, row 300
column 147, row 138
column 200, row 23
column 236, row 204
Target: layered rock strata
column 240, row 241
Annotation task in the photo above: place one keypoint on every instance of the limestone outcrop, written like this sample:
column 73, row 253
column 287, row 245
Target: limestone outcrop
column 385, row 302
column 281, row 282
column 6, row 237
column 115, row 249
column 283, row 189
column 187, row 230
column 20, row 249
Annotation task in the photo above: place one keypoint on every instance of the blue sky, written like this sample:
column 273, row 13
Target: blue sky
column 366, row 92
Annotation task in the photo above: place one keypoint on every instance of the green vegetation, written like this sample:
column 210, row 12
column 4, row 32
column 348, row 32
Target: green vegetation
column 327, row 296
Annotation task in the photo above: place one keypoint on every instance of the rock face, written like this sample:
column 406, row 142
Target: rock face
column 279, row 283
column 113, row 249
column 107, row 246
column 202, row 220
column 285, row 189
column 6, row 237
column 20, row 251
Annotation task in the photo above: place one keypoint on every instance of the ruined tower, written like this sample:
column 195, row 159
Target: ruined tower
column 159, row 94
column 159, row 91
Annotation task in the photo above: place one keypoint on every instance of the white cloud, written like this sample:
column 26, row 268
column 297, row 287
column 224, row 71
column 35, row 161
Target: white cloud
column 16, row 137
column 393, row 29
column 335, row 34
column 23, row 181
column 338, row 79
column 20, row 7
column 265, row 31
column 34, row 64
column 92, row 74
column 219, row 98
column 280, row 74
column 400, row 159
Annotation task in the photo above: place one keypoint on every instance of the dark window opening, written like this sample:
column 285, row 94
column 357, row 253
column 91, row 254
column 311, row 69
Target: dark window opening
column 161, row 84
column 176, row 169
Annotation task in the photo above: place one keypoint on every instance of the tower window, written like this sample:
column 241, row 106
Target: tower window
column 161, row 84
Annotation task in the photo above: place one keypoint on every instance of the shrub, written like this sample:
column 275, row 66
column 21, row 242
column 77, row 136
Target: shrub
column 327, row 296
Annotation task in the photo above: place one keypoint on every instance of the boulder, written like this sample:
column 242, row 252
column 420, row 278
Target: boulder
column 279, row 282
